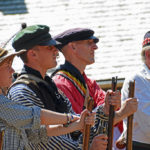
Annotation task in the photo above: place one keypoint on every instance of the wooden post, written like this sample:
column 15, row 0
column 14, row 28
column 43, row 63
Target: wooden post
column 1, row 139
column 130, row 119
column 111, row 118
column 86, row 133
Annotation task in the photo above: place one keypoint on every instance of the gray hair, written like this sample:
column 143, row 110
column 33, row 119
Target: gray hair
column 147, row 48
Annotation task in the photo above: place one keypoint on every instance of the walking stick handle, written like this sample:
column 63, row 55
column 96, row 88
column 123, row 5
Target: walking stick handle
column 86, row 133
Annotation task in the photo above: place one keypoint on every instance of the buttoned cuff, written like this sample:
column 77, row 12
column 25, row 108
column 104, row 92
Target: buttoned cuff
column 36, row 119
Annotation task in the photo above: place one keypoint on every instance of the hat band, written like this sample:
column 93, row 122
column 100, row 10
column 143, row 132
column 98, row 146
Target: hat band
column 146, row 42
column 3, row 52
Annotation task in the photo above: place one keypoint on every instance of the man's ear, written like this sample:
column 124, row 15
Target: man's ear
column 72, row 45
column 147, row 54
column 31, row 53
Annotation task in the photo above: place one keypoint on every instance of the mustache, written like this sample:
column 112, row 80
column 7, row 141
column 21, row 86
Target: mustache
column 57, row 56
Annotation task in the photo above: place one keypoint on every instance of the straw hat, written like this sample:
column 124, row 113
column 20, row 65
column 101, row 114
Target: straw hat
column 4, row 54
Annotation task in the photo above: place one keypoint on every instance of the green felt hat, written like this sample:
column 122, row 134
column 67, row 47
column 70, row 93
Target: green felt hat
column 32, row 36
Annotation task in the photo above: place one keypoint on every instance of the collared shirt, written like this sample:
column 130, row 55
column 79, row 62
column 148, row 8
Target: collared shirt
column 141, row 129
column 18, row 117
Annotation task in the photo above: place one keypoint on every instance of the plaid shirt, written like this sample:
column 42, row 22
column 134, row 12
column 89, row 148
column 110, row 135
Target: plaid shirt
column 17, row 117
column 38, row 138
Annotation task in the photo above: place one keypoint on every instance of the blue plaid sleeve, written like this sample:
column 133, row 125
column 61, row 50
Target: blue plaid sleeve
column 19, row 116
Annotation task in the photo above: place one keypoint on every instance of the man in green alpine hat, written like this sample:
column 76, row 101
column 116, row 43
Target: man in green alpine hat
column 34, row 87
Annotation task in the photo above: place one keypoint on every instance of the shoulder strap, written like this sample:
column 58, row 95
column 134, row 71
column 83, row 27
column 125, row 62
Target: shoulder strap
column 73, row 80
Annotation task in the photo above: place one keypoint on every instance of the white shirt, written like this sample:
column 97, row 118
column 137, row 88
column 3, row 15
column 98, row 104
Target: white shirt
column 141, row 122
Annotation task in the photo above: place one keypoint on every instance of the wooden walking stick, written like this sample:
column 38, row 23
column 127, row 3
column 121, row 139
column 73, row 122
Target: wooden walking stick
column 126, row 140
column 111, row 118
column 130, row 119
column 1, row 139
column 86, row 133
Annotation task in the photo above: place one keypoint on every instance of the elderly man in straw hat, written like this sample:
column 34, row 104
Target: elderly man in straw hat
column 14, row 115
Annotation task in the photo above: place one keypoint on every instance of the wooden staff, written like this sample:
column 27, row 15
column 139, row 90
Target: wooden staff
column 1, row 139
column 130, row 119
column 111, row 118
column 126, row 140
column 86, row 133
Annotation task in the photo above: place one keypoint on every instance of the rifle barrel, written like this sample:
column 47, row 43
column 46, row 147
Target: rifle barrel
column 111, row 118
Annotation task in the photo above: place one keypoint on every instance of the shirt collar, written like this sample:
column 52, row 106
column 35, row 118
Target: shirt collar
column 73, row 70
column 146, row 71
column 28, row 70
